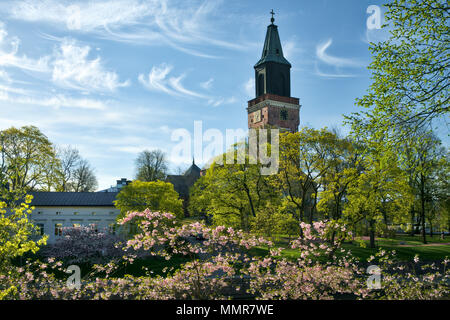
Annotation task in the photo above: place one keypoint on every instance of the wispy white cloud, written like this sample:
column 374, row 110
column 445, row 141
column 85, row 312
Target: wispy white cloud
column 159, row 80
column 249, row 87
column 68, row 66
column 4, row 76
column 207, row 84
column 180, row 24
column 337, row 63
column 21, row 96
column 175, row 82
column 318, row 72
column 9, row 57
column 290, row 48
column 81, row 15
column 220, row 101
column 7, row 88
column 332, row 60
column 73, row 69
column 129, row 149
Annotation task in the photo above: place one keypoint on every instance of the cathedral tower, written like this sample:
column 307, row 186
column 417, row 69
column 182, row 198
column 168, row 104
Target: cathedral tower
column 273, row 106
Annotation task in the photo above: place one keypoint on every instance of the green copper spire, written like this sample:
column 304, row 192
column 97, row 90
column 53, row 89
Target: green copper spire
column 272, row 51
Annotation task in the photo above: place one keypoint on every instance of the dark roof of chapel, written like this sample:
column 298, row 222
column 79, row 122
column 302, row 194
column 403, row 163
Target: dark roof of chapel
column 182, row 183
column 73, row 199
column 192, row 169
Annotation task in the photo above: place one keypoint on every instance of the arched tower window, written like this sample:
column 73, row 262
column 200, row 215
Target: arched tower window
column 260, row 90
column 283, row 91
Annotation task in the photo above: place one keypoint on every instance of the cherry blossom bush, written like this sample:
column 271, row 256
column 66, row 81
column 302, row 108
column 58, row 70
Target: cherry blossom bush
column 324, row 270
column 216, row 254
column 84, row 244
column 412, row 280
column 34, row 280
column 220, row 265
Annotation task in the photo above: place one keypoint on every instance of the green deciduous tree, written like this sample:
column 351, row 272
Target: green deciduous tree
column 154, row 195
column 410, row 70
column 345, row 167
column 25, row 157
column 151, row 165
column 17, row 233
column 233, row 192
column 381, row 193
column 305, row 158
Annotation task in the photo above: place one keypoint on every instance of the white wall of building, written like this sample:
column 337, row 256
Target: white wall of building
column 52, row 217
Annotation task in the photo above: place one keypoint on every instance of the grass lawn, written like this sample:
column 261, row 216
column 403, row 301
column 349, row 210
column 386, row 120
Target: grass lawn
column 405, row 246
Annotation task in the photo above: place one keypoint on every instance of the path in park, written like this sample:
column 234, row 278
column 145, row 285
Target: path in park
column 400, row 244
column 424, row 245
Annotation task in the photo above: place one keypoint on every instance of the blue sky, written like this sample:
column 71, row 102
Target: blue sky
column 115, row 77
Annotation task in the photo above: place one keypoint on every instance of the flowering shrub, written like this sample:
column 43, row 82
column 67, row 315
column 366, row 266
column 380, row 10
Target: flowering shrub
column 410, row 281
column 216, row 254
column 35, row 280
column 220, row 266
column 84, row 244
column 323, row 271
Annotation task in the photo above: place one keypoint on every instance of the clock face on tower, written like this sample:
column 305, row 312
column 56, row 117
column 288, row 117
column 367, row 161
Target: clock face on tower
column 257, row 117
column 283, row 114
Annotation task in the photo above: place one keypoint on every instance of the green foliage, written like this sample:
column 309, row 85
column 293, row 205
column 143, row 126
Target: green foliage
column 27, row 159
column 268, row 221
column 154, row 195
column 310, row 161
column 426, row 162
column 17, row 233
column 410, row 82
column 381, row 193
column 410, row 70
column 344, row 168
column 234, row 193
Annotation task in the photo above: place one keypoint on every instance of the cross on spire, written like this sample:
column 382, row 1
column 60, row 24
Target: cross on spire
column 272, row 19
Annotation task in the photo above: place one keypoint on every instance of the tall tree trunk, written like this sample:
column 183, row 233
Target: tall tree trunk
column 311, row 212
column 422, row 201
column 413, row 222
column 424, row 235
column 300, row 218
column 385, row 219
column 431, row 228
column 333, row 235
column 372, row 233
column 338, row 208
column 250, row 201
